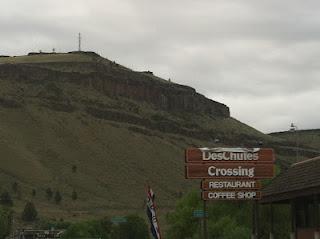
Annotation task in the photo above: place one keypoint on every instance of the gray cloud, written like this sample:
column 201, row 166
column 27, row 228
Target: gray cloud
column 259, row 57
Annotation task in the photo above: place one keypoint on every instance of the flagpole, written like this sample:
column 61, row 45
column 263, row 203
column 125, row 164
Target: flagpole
column 152, row 214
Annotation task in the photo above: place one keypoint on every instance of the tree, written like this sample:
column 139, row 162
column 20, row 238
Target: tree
column 90, row 229
column 5, row 222
column 181, row 221
column 49, row 193
column 5, row 199
column 74, row 168
column 74, row 195
column 57, row 197
column 29, row 213
column 33, row 192
column 134, row 228
column 15, row 187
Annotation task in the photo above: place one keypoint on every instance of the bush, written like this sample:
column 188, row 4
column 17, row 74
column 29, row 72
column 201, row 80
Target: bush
column 15, row 187
column 5, row 199
column 134, row 228
column 5, row 222
column 49, row 193
column 74, row 195
column 46, row 224
column 226, row 220
column 29, row 213
column 181, row 221
column 57, row 197
column 33, row 192
column 90, row 229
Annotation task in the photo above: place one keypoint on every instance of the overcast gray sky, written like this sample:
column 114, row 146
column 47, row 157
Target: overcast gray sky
column 260, row 57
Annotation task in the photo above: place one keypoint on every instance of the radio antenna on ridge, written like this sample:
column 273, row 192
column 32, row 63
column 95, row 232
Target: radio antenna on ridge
column 79, row 42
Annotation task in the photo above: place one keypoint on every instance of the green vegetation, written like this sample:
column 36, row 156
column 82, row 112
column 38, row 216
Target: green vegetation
column 49, row 194
column 134, row 228
column 57, row 197
column 15, row 187
column 227, row 220
column 5, row 199
column 74, row 195
column 309, row 138
column 45, row 58
column 29, row 213
column 5, row 222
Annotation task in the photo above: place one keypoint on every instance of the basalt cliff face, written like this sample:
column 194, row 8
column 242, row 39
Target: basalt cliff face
column 114, row 81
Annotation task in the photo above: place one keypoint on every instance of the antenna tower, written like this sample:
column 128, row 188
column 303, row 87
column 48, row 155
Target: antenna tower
column 79, row 42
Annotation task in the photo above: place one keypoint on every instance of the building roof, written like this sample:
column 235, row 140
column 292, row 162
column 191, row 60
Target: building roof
column 301, row 179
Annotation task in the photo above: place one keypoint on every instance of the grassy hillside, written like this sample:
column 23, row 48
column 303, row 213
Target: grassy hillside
column 117, row 144
column 309, row 138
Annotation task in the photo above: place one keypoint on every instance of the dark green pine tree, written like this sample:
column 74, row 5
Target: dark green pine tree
column 49, row 193
column 15, row 187
column 29, row 213
column 57, row 197
column 5, row 199
column 33, row 192
column 74, row 195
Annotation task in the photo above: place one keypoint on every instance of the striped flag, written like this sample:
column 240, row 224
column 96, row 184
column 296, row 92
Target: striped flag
column 151, row 212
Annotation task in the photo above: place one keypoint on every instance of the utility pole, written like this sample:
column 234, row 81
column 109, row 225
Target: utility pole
column 205, row 207
column 255, row 220
column 205, row 225
column 79, row 42
column 294, row 129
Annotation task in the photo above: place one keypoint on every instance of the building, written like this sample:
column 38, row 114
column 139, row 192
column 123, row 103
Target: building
column 299, row 187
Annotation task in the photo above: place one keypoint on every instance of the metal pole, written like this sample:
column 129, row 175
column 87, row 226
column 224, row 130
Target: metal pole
column 205, row 225
column 293, row 220
column 297, row 145
column 79, row 42
column 253, row 232
column 294, row 129
column 271, row 236
column 255, row 220
column 256, row 207
column 316, row 216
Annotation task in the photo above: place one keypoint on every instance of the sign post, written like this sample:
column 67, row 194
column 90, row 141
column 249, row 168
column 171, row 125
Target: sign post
column 205, row 227
column 230, row 174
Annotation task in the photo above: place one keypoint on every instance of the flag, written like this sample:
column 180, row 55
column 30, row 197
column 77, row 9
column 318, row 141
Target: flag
column 151, row 212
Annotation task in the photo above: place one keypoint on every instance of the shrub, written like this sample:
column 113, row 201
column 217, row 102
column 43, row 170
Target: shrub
column 74, row 195
column 5, row 222
column 134, row 228
column 5, row 199
column 49, row 193
column 57, row 197
column 29, row 213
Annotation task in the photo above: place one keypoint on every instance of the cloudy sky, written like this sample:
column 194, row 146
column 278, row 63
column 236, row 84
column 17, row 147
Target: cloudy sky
column 260, row 57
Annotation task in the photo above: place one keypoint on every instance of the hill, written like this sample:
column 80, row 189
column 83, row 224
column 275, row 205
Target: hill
column 77, row 121
column 306, row 140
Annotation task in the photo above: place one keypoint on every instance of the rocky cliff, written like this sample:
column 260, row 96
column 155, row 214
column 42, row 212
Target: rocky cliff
column 116, row 81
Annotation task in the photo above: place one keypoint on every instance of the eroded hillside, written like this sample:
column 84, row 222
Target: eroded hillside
column 119, row 128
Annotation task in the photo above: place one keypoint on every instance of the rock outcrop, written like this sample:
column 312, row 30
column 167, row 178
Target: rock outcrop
column 115, row 81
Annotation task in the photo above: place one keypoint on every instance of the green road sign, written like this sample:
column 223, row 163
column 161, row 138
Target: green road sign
column 118, row 220
column 199, row 214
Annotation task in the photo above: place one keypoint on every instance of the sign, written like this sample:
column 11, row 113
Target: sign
column 228, row 155
column 199, row 214
column 229, row 171
column 118, row 220
column 231, row 195
column 239, row 184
